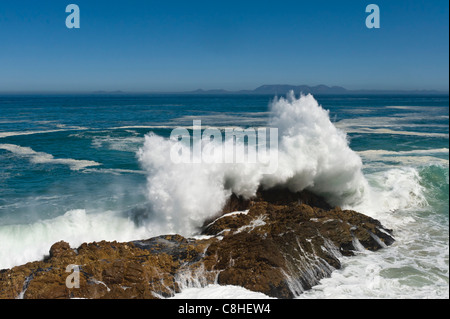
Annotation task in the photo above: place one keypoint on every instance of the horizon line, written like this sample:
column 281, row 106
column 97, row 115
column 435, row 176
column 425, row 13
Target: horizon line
column 287, row 87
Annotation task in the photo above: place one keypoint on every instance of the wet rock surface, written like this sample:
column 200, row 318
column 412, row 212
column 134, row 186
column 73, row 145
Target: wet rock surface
column 278, row 243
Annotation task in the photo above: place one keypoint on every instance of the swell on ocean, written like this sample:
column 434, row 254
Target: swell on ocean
column 314, row 153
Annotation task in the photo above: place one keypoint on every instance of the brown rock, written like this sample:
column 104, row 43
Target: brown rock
column 282, row 250
column 283, row 245
column 61, row 249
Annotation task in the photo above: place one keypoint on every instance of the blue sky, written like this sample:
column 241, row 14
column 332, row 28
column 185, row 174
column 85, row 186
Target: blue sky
column 184, row 45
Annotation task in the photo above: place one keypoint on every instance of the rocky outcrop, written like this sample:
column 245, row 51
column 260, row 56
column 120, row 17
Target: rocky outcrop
column 282, row 250
column 279, row 244
column 105, row 269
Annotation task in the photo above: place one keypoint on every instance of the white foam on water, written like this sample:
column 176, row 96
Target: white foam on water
column 391, row 190
column 384, row 158
column 415, row 266
column 386, row 125
column 123, row 144
column 312, row 154
column 23, row 243
column 417, row 108
column 367, row 130
column 60, row 128
column 113, row 171
column 17, row 133
column 45, row 158
column 215, row 291
column 369, row 153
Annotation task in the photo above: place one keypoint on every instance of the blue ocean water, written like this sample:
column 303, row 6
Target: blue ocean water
column 69, row 170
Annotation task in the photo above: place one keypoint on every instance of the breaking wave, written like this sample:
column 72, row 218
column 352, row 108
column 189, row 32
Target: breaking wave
column 312, row 154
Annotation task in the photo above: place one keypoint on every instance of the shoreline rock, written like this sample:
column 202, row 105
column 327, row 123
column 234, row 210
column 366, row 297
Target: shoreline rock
column 278, row 243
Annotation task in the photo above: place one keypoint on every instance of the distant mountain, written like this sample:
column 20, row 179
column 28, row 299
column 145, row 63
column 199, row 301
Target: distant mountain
column 282, row 89
column 218, row 91
column 108, row 92
column 268, row 89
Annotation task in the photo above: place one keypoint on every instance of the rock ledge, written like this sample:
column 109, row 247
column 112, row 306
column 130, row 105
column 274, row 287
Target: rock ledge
column 280, row 244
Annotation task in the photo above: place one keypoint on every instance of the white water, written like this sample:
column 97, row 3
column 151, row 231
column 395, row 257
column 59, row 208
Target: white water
column 313, row 154
column 215, row 291
column 415, row 266
column 45, row 158
column 20, row 244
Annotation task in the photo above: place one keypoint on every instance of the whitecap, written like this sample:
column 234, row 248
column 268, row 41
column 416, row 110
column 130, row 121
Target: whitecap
column 45, row 158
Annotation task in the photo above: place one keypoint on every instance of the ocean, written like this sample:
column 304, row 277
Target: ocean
column 76, row 167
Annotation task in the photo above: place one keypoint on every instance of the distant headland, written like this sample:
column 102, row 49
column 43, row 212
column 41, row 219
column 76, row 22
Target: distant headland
column 267, row 89
column 281, row 89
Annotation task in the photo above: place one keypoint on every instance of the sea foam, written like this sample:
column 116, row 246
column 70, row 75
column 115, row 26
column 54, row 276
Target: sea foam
column 312, row 154
column 23, row 243
column 45, row 158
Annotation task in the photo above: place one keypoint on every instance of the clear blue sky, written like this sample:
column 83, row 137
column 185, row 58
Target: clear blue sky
column 183, row 45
